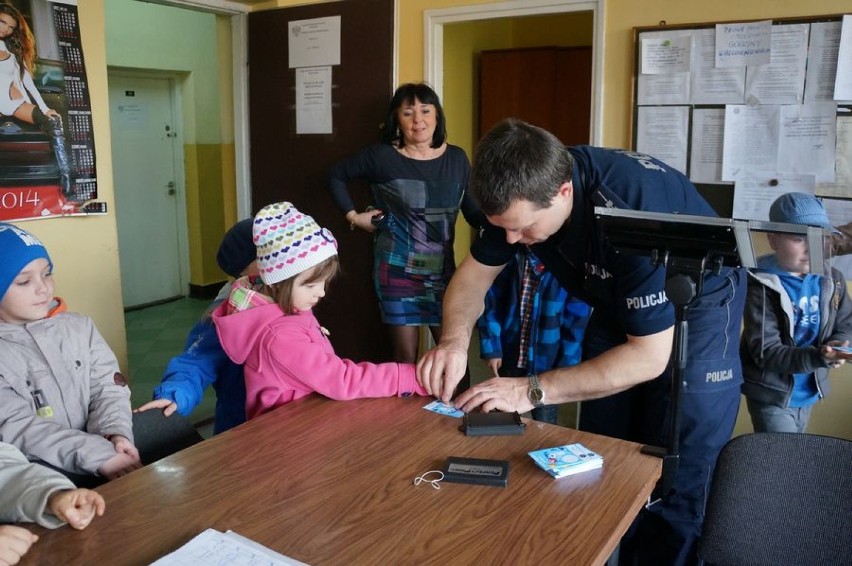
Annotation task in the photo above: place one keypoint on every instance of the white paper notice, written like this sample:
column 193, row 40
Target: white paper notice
column 782, row 81
column 661, row 133
column 822, row 61
column 313, row 43
column 705, row 164
column 738, row 45
column 671, row 88
column 807, row 140
column 712, row 85
column 842, row 185
column 666, row 55
column 751, row 140
column 843, row 82
column 754, row 193
column 313, row 100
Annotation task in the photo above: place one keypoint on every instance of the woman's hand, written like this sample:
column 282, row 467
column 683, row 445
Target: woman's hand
column 362, row 220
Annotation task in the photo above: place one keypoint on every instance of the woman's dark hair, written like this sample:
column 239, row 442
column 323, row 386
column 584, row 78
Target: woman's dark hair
column 406, row 94
column 20, row 42
column 518, row 161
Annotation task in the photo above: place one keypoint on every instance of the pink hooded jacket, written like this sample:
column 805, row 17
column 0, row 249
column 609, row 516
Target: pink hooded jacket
column 288, row 357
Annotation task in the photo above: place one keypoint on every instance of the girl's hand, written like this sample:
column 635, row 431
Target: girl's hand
column 169, row 407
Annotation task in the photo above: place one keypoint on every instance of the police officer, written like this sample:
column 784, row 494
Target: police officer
column 536, row 192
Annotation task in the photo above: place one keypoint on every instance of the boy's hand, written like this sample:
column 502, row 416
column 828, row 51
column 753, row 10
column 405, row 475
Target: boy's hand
column 77, row 507
column 169, row 407
column 125, row 460
column 14, row 543
column 836, row 352
column 494, row 365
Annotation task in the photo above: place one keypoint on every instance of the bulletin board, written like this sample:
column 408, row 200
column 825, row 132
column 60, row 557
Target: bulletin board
column 747, row 132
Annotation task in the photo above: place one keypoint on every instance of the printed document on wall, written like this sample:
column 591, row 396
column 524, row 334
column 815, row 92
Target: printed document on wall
column 751, row 139
column 782, row 81
column 667, row 88
column 843, row 82
column 661, row 133
column 822, row 61
column 842, row 185
column 315, row 42
column 711, row 84
column 705, row 164
column 806, row 144
column 755, row 192
column 741, row 44
column 313, row 100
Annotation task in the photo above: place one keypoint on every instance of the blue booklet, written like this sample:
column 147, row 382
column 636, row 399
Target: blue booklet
column 561, row 461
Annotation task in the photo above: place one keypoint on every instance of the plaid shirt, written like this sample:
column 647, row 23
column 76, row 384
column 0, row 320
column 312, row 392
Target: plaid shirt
column 556, row 326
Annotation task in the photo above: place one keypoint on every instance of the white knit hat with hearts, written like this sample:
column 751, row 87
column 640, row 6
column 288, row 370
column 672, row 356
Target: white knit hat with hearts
column 289, row 242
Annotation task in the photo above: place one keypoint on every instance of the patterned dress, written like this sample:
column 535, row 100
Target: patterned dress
column 413, row 252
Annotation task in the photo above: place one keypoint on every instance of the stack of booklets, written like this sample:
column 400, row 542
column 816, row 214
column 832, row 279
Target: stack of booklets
column 561, row 461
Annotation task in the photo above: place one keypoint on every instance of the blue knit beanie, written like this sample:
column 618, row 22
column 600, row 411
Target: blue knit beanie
column 237, row 251
column 17, row 249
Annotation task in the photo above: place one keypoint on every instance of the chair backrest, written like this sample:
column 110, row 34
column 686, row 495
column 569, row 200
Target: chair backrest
column 780, row 498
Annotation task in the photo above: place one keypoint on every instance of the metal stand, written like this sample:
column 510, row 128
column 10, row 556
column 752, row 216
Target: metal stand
column 684, row 282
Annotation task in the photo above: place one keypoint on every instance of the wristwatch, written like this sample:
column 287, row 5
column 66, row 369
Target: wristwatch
column 535, row 393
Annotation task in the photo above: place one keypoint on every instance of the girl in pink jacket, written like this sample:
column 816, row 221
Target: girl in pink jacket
column 267, row 323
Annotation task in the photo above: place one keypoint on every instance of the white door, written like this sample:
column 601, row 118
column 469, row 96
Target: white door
column 145, row 158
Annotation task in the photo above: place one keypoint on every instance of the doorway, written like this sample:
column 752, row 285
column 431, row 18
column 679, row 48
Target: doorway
column 147, row 175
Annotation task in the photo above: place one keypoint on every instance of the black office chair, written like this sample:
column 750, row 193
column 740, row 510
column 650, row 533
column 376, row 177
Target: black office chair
column 780, row 499
column 156, row 436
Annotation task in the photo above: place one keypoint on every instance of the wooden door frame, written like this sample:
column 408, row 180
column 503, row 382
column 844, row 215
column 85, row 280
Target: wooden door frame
column 433, row 37
column 175, row 81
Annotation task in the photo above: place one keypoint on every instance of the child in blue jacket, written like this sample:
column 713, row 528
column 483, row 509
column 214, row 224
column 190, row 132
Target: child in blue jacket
column 530, row 324
column 204, row 362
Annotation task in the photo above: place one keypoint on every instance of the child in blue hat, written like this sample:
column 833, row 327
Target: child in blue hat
column 792, row 324
column 64, row 401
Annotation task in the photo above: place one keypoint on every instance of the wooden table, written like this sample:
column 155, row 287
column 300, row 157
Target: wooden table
column 329, row 482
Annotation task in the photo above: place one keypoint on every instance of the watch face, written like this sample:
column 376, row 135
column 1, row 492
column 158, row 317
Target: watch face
column 536, row 395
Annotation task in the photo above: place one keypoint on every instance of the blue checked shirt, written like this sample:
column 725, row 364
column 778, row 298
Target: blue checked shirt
column 556, row 320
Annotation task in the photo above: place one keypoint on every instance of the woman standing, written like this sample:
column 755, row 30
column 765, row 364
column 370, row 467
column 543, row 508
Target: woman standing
column 18, row 94
column 419, row 184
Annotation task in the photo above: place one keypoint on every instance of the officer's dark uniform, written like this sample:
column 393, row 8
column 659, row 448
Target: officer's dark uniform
column 627, row 294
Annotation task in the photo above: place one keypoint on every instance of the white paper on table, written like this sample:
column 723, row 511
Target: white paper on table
column 711, row 84
column 661, row 132
column 213, row 548
column 754, row 193
column 751, row 140
column 806, row 143
column 782, row 81
column 705, row 161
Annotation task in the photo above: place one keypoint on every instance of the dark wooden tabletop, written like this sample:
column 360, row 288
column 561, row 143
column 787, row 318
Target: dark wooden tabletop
column 330, row 482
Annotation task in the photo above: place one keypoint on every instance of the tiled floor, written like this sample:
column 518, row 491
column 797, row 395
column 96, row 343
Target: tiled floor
column 154, row 335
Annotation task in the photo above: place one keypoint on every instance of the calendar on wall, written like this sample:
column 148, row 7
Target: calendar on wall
column 47, row 145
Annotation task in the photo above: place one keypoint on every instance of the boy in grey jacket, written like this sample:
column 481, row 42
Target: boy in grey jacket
column 34, row 494
column 63, row 401
column 793, row 323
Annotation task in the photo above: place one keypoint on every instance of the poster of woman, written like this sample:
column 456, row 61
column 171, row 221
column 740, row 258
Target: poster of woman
column 47, row 161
